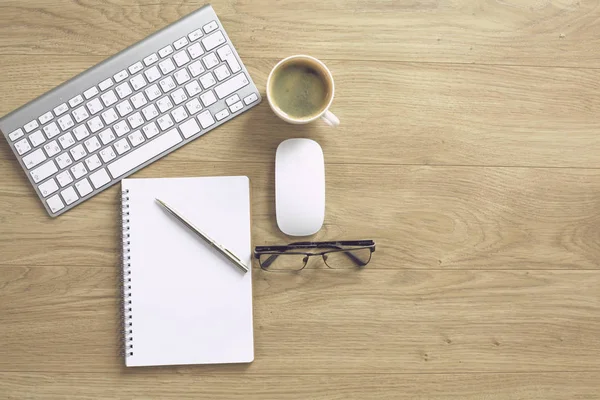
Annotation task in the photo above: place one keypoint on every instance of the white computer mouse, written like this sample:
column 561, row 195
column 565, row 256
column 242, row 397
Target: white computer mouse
column 299, row 187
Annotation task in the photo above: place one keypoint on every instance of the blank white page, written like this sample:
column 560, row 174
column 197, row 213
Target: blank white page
column 190, row 305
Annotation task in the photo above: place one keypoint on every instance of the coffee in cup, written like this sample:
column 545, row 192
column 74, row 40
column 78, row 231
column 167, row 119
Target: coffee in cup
column 300, row 89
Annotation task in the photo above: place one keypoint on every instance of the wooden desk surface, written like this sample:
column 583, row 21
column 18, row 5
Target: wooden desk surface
column 469, row 150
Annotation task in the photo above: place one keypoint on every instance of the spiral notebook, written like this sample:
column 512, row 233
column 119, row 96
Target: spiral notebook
column 184, row 303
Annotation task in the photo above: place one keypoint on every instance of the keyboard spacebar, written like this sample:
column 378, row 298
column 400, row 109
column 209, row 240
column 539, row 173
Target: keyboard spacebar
column 144, row 153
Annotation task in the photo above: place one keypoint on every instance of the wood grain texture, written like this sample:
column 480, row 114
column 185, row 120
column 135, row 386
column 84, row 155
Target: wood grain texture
column 521, row 32
column 468, row 151
column 300, row 386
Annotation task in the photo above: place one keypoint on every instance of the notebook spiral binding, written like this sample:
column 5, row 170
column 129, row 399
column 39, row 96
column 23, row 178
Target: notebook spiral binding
column 127, row 311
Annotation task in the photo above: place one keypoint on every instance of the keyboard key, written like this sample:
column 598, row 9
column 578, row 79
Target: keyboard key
column 122, row 146
column 95, row 124
column 193, row 88
column 197, row 34
column 91, row 92
column 135, row 68
column 196, row 68
column 189, row 128
column 31, row 126
column 14, row 135
column 210, row 60
column 205, row 119
column 208, row 98
column 164, row 104
column 165, row 122
column 109, row 98
column 138, row 82
column 226, row 54
column 135, row 120
column 95, row 106
column 66, row 122
column 144, row 153
column 153, row 92
column 64, row 178
column 78, row 170
column 152, row 74
column 167, row 84
column 211, row 26
column 193, row 106
column 236, row 107
column 150, row 112
column 109, row 116
column 182, row 76
column 250, row 99
column 222, row 72
column 92, row 144
column 75, row 101
column 51, row 130
column 83, row 187
column 78, row 152
column 63, row 108
column 55, row 203
column 120, row 76
column 34, row 158
column 123, row 90
column 37, row 138
column 150, row 130
column 224, row 113
column 105, row 84
column 46, row 118
column 80, row 114
column 93, row 162
column 124, row 108
column 181, row 58
column 63, row 160
column 107, row 154
column 106, row 136
column 99, row 178
column 44, row 171
column 136, row 138
column 52, row 148
column 165, row 51
column 207, row 80
column 81, row 132
column 66, row 140
column 138, row 100
column 22, row 146
column 195, row 50
column 178, row 96
column 121, row 128
column 151, row 59
column 180, row 43
column 69, row 195
column 214, row 40
column 179, row 114
column 48, row 187
column 228, row 87
column 167, row 66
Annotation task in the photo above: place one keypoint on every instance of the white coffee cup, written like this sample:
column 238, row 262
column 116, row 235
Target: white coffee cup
column 327, row 116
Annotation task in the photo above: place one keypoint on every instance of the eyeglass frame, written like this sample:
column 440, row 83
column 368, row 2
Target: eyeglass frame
column 283, row 250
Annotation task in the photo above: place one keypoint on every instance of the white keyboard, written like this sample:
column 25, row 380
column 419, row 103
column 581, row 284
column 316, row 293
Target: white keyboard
column 129, row 111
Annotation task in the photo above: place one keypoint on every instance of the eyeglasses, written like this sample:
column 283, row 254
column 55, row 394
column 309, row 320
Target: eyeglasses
column 336, row 255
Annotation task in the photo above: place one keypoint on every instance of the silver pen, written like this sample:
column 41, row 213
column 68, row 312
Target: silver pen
column 232, row 257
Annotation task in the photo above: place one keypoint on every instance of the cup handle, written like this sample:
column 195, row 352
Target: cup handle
column 330, row 119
